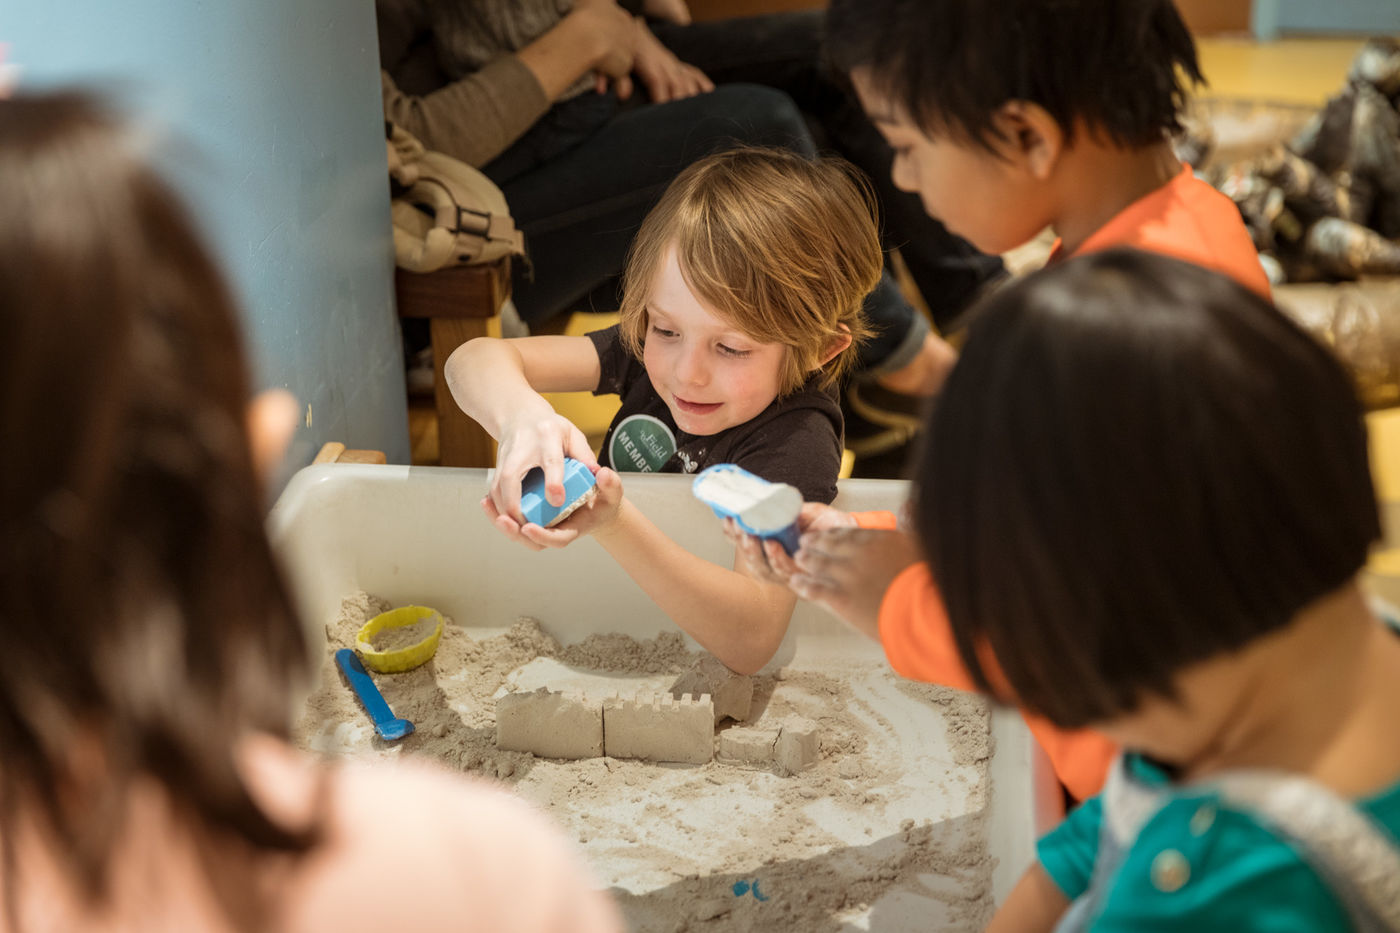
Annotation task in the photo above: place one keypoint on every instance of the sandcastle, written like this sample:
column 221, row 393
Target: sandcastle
column 650, row 726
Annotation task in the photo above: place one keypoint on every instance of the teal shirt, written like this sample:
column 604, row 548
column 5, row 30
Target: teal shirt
column 1239, row 876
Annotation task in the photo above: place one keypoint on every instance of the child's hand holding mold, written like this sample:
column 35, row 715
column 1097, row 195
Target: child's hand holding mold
column 541, row 449
column 767, row 559
column 586, row 504
column 821, row 553
column 848, row 571
column 742, row 304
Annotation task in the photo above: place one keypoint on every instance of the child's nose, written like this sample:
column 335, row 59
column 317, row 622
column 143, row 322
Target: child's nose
column 692, row 368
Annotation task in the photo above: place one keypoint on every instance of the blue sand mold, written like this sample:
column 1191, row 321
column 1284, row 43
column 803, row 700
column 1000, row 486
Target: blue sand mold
column 786, row 536
column 533, row 505
column 385, row 722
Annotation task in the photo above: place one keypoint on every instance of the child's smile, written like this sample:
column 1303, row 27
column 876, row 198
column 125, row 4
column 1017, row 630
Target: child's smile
column 696, row 408
column 711, row 375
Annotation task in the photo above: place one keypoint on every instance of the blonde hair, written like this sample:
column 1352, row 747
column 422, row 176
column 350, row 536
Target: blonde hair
column 782, row 246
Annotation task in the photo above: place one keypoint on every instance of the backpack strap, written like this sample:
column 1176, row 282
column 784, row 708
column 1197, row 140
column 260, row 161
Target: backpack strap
column 1128, row 804
column 1358, row 859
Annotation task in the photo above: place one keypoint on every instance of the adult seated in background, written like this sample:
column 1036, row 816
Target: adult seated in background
column 546, row 105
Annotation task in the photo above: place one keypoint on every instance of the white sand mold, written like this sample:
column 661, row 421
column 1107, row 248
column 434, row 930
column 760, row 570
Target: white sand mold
column 761, row 505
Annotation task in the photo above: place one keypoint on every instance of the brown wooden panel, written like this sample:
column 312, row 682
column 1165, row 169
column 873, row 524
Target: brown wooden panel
column 1205, row 17
column 461, row 302
column 330, row 452
column 335, row 452
column 457, row 291
column 362, row 456
column 461, row 441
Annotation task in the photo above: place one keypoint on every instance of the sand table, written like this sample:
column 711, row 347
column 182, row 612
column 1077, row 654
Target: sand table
column 893, row 811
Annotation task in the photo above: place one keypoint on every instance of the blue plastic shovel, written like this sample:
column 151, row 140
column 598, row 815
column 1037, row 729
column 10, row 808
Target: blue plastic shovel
column 388, row 725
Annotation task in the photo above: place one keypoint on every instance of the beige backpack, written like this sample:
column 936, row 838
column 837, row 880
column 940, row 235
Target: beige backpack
column 445, row 213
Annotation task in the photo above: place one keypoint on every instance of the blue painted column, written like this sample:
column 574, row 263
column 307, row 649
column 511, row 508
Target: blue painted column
column 266, row 115
column 1271, row 18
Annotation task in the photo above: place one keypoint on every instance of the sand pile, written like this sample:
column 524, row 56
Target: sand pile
column 716, row 846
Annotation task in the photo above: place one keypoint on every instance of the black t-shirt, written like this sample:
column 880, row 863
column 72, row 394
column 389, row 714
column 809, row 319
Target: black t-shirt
column 795, row 440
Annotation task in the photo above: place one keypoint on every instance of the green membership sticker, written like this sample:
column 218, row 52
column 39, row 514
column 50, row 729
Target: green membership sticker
column 641, row 444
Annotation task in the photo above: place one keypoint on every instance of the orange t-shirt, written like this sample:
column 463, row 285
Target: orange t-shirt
column 1187, row 219
column 918, row 640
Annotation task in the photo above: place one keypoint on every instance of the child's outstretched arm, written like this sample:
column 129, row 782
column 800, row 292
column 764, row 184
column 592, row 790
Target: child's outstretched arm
column 848, row 570
column 738, row 619
column 498, row 384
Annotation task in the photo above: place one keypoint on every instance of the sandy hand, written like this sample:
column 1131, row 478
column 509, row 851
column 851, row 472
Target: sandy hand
column 766, row 559
column 591, row 517
column 848, row 570
column 536, row 442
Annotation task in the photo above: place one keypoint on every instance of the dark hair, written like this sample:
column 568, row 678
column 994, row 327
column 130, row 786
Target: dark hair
column 146, row 627
column 951, row 64
column 1137, row 464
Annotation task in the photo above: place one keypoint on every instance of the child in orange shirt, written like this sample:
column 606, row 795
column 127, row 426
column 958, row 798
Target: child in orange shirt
column 1008, row 116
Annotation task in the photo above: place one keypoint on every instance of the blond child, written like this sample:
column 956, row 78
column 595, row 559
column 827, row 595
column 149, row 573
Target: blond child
column 153, row 657
column 741, row 310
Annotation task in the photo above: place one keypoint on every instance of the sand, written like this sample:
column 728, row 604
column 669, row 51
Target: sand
column 403, row 636
column 889, row 823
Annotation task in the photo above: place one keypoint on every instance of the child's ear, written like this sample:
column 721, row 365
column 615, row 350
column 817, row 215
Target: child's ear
column 1033, row 138
column 837, row 345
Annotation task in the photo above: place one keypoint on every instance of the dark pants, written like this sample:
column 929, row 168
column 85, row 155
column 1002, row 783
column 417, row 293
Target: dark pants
column 581, row 180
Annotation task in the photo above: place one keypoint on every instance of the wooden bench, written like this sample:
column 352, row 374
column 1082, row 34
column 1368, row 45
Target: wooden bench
column 335, row 452
column 460, row 302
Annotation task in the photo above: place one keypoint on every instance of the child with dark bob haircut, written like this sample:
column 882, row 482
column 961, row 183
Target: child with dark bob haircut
column 1145, row 494
column 153, row 659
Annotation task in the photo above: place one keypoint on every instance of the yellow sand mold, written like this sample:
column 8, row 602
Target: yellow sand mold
column 397, row 660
